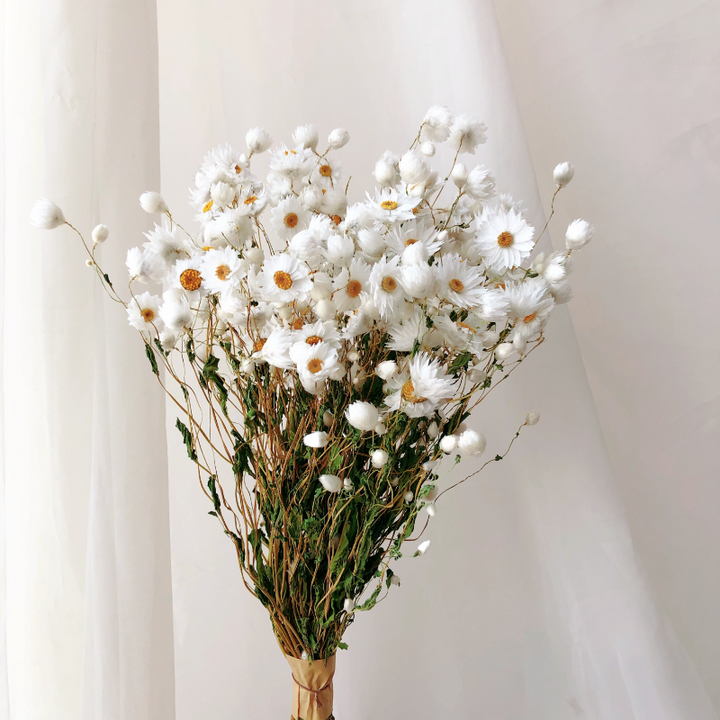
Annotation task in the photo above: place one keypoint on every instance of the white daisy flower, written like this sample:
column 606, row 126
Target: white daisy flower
column 289, row 217
column 221, row 270
column 327, row 172
column 349, row 284
column 467, row 133
column 322, row 331
column 421, row 387
column 386, row 287
column 480, row 184
column 529, row 306
column 274, row 349
column 389, row 206
column 306, row 136
column 459, row 282
column 504, row 238
column 418, row 280
column 144, row 314
column 412, row 233
column 186, row 274
column 315, row 363
column 251, row 201
column 404, row 334
column 294, row 165
column 436, row 124
column 142, row 264
column 284, row 279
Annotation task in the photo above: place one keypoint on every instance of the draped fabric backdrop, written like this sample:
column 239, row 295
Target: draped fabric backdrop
column 577, row 578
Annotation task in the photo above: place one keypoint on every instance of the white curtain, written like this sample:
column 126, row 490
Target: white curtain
column 531, row 604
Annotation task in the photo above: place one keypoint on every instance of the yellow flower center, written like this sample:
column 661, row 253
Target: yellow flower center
column 223, row 272
column 258, row 345
column 529, row 318
column 354, row 288
column 190, row 279
column 336, row 219
column 207, row 205
column 148, row 315
column 250, row 200
column 505, row 239
column 297, row 324
column 313, row 340
column 315, row 365
column 388, row 205
column 410, row 241
column 283, row 280
column 456, row 285
column 325, row 170
column 238, row 169
column 408, row 393
column 416, row 210
column 291, row 220
column 207, row 248
column 389, row 284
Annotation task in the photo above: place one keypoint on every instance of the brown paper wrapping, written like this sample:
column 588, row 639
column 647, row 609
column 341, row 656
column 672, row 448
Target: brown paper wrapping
column 312, row 688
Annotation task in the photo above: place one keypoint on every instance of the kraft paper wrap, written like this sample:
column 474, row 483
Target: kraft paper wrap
column 312, row 688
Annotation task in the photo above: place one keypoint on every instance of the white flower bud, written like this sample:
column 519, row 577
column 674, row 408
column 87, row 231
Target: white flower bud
column 459, row 174
column 316, row 439
column 563, row 174
column 431, row 510
column 362, row 415
column 152, row 202
column 443, row 235
column 247, row 366
column 328, row 418
column 320, row 292
column 427, row 149
column 395, row 580
column 254, row 255
column 348, row 606
column 385, row 172
column 380, row 429
column 285, row 312
column 100, row 234
column 222, row 194
column 353, row 355
column 306, row 135
column 347, row 484
column 312, row 197
column 325, row 309
column 332, row 483
column 89, row 263
column 386, row 369
column 433, row 430
column 379, row 458
column 430, row 465
column 408, row 497
column 532, row 418
column 448, row 443
column 413, row 169
column 338, row 138
column 258, row 140
column 471, row 443
column 423, row 547
column 579, row 234
column 46, row 215
column 504, row 351
column 168, row 340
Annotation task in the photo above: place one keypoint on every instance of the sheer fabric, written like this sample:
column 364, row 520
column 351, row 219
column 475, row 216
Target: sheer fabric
column 530, row 604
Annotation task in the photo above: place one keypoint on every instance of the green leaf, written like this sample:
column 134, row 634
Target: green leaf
column 342, row 646
column 188, row 440
column 212, row 480
column 151, row 357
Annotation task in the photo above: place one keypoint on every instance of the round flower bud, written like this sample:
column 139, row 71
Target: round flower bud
column 379, row 458
column 408, row 497
column 395, row 580
column 563, row 174
column 427, row 149
column 347, row 484
column 362, row 415
column 386, row 369
column 247, row 366
column 332, row 483
column 433, row 431
column 380, row 429
column 100, row 234
column 258, row 140
column 443, row 235
column 152, row 202
column 349, row 605
column 328, row 418
column 504, row 351
column 316, row 439
column 532, row 418
column 46, row 215
column 338, row 138
column 423, row 547
column 285, row 312
column 448, row 443
column 353, row 355
column 89, row 263
column 320, row 292
column 168, row 340
column 306, row 135
column 471, row 443
column 431, row 510
column 413, row 169
column 385, row 172
column 579, row 234
column 459, row 174
column 325, row 309
column 312, row 198
column 222, row 194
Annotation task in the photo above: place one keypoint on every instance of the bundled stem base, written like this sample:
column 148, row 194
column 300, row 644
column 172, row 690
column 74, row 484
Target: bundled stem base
column 312, row 688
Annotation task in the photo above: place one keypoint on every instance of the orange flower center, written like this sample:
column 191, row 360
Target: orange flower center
column 410, row 241
column 258, row 345
column 388, row 205
column 325, row 170
column 313, row 340
column 238, row 169
column 297, row 324
column 505, row 239
column 336, row 219
column 354, row 288
column 250, row 200
column 283, row 280
column 408, row 393
column 148, row 315
column 529, row 318
column 315, row 365
column 223, row 272
column 456, row 285
column 207, row 205
column 190, row 279
column 291, row 220
column 389, row 284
